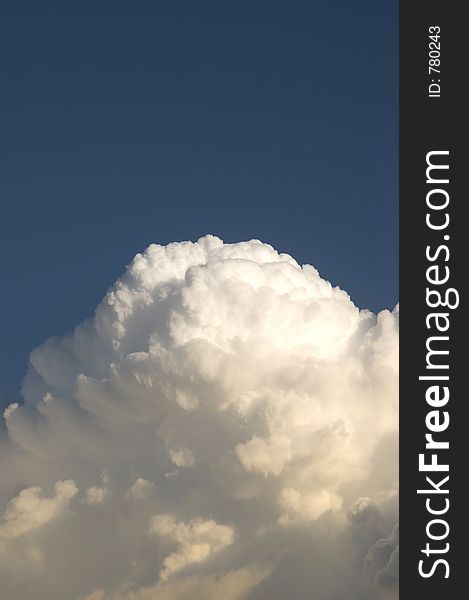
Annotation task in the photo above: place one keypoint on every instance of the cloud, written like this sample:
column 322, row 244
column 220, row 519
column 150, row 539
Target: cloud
column 95, row 495
column 140, row 489
column 196, row 541
column 182, row 457
column 30, row 510
column 207, row 429
column 382, row 565
column 233, row 585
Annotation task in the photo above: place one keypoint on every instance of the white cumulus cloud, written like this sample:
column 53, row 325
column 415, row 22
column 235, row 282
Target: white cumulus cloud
column 233, row 415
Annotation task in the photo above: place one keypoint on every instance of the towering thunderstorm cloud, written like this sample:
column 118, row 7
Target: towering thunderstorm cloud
column 223, row 428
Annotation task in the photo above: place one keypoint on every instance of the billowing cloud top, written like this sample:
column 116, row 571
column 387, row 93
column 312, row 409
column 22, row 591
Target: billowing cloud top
column 224, row 427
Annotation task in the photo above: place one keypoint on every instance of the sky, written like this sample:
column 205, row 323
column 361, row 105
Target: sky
column 129, row 124
column 187, row 392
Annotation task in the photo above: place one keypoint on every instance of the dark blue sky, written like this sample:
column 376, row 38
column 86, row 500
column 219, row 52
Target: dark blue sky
column 126, row 123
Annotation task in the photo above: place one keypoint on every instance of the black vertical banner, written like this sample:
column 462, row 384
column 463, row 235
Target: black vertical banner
column 434, row 434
